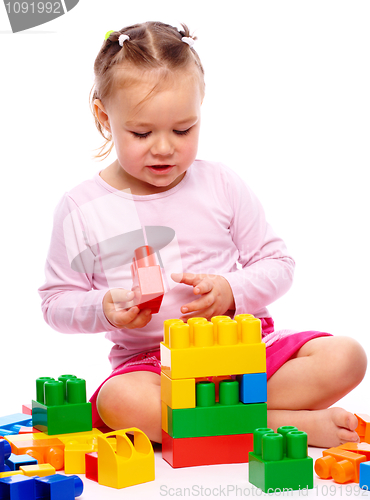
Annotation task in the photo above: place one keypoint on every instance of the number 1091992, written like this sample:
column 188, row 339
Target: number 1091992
column 34, row 8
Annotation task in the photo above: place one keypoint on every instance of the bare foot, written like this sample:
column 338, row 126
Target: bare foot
column 333, row 427
column 325, row 428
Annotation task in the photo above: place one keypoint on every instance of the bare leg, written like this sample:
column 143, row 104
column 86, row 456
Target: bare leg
column 322, row 372
column 299, row 393
column 132, row 400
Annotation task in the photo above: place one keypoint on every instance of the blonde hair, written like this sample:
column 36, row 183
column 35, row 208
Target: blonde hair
column 151, row 45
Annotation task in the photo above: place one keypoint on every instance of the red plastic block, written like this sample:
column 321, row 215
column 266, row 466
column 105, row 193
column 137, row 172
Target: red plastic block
column 210, row 450
column 27, row 409
column 91, row 466
column 28, row 430
column 147, row 280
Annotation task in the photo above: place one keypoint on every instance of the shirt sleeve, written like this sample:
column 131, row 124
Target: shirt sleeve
column 70, row 303
column 266, row 269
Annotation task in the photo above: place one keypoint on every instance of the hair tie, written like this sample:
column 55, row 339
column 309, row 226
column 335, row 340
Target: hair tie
column 188, row 40
column 122, row 39
column 108, row 34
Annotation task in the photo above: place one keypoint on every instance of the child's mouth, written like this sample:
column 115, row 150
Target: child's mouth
column 160, row 169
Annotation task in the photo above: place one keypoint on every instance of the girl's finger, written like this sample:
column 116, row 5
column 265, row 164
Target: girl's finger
column 201, row 304
column 204, row 286
column 207, row 313
column 124, row 317
column 120, row 295
column 141, row 320
column 187, row 278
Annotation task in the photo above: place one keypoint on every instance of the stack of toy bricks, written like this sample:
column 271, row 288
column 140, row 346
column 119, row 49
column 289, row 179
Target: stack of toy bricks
column 61, row 405
column 213, row 389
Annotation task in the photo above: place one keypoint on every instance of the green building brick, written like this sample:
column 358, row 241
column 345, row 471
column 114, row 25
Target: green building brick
column 228, row 416
column 279, row 462
column 60, row 406
column 217, row 420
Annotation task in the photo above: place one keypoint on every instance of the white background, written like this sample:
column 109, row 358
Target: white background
column 287, row 106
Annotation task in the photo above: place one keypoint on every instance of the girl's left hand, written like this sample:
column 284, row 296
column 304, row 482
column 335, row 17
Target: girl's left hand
column 216, row 296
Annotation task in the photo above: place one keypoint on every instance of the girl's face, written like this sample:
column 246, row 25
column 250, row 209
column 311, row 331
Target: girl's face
column 155, row 132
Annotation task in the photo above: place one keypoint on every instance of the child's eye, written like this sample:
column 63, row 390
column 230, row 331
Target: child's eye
column 182, row 132
column 141, row 136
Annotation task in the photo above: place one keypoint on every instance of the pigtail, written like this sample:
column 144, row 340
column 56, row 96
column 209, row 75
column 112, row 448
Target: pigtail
column 185, row 32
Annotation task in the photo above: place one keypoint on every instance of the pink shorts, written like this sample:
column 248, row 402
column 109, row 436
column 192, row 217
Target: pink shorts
column 280, row 346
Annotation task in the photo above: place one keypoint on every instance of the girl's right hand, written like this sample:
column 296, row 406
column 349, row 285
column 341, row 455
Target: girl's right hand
column 118, row 309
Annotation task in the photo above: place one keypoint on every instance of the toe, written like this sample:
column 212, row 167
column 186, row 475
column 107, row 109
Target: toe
column 347, row 436
column 345, row 419
column 352, row 422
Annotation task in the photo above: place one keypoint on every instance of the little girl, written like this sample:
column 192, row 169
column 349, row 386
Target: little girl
column 201, row 220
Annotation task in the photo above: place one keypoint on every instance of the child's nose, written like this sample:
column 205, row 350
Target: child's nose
column 163, row 146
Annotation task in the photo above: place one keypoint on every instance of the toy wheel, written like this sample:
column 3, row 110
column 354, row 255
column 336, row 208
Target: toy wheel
column 37, row 455
column 55, row 457
column 343, row 472
column 323, row 466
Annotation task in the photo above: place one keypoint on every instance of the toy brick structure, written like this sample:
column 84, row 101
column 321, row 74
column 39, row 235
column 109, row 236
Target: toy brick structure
column 61, row 405
column 279, row 461
column 343, row 463
column 213, row 389
column 147, row 280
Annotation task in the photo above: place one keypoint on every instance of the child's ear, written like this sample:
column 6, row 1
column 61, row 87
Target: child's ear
column 101, row 114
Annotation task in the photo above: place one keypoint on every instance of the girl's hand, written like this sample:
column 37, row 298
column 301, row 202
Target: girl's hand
column 118, row 309
column 216, row 296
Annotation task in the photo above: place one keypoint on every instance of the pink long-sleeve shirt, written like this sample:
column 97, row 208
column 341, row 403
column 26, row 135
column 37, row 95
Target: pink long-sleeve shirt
column 211, row 222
